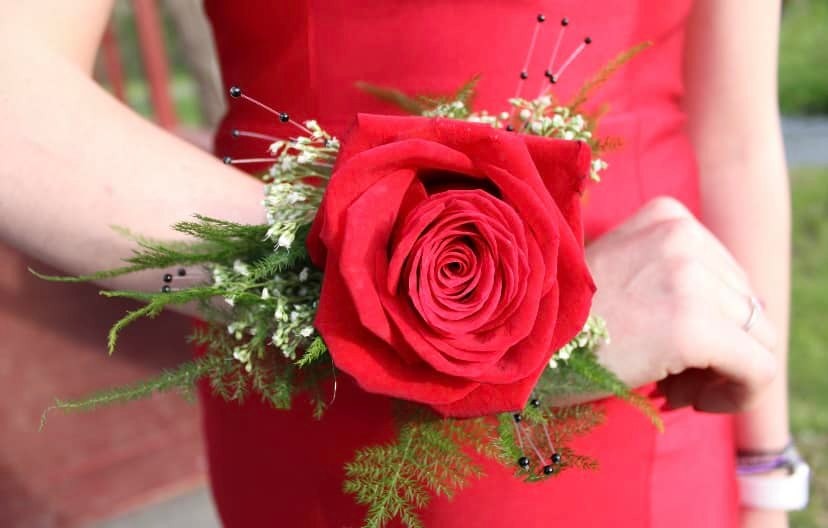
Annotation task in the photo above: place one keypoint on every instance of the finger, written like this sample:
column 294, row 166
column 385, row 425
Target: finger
column 746, row 365
column 681, row 390
column 740, row 309
column 723, row 396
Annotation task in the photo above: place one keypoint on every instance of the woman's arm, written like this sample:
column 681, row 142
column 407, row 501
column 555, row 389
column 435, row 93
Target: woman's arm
column 76, row 161
column 731, row 101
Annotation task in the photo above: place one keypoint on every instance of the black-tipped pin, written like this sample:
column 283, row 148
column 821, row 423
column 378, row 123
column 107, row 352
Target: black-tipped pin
column 510, row 128
column 524, row 71
column 523, row 462
column 182, row 272
column 167, row 277
column 535, row 402
column 581, row 47
column 236, row 133
column 517, row 417
column 166, row 288
column 227, row 160
column 548, row 470
column 553, row 78
column 283, row 117
column 556, row 458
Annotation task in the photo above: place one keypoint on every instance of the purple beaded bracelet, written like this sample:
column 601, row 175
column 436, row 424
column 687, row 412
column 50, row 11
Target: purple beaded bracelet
column 752, row 462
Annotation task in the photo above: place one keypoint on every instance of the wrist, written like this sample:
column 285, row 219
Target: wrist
column 763, row 518
column 773, row 480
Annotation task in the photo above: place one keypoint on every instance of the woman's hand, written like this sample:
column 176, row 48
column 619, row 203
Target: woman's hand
column 676, row 304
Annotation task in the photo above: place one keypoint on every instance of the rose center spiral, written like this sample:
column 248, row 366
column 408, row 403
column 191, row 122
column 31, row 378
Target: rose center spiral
column 465, row 265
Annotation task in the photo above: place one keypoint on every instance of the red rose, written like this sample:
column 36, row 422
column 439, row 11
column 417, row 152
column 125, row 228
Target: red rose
column 453, row 259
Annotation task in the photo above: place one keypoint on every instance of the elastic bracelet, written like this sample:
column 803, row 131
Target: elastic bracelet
column 765, row 467
column 750, row 462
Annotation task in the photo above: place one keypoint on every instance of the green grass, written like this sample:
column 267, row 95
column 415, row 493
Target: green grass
column 803, row 58
column 809, row 335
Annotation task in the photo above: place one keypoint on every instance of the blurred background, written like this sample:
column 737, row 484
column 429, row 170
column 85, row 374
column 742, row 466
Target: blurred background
column 144, row 466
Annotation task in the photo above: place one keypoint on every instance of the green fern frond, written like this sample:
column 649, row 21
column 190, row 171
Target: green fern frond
column 391, row 95
column 314, row 352
column 157, row 303
column 182, row 378
column 604, row 74
column 538, row 426
column 600, row 379
column 467, row 93
column 217, row 241
column 421, row 104
column 396, row 480
column 221, row 231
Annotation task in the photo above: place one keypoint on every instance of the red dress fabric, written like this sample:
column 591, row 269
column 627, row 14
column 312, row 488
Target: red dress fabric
column 284, row 469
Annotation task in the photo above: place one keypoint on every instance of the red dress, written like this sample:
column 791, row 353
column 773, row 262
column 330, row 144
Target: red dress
column 283, row 469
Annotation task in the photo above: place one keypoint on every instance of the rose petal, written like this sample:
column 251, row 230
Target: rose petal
column 493, row 398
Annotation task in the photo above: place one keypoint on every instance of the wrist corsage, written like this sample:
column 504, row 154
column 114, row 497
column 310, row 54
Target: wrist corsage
column 437, row 259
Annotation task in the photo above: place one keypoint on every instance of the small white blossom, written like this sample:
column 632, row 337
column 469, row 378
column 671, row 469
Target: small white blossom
column 303, row 275
column 287, row 164
column 286, row 240
column 276, row 146
column 265, row 294
column 306, row 332
column 525, row 114
column 241, row 268
column 294, row 197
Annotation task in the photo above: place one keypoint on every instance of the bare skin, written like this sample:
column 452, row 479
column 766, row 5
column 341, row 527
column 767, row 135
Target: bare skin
column 76, row 161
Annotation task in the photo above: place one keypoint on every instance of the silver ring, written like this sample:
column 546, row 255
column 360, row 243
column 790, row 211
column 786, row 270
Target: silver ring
column 755, row 309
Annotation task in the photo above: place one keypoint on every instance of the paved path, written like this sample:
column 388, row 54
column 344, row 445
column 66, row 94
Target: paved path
column 806, row 140
column 191, row 510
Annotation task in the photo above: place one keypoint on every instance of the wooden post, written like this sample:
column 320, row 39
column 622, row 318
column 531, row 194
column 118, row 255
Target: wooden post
column 151, row 40
column 113, row 66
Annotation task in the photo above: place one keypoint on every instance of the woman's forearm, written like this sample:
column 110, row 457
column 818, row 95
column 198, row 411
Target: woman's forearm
column 734, row 124
column 76, row 162
column 746, row 203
